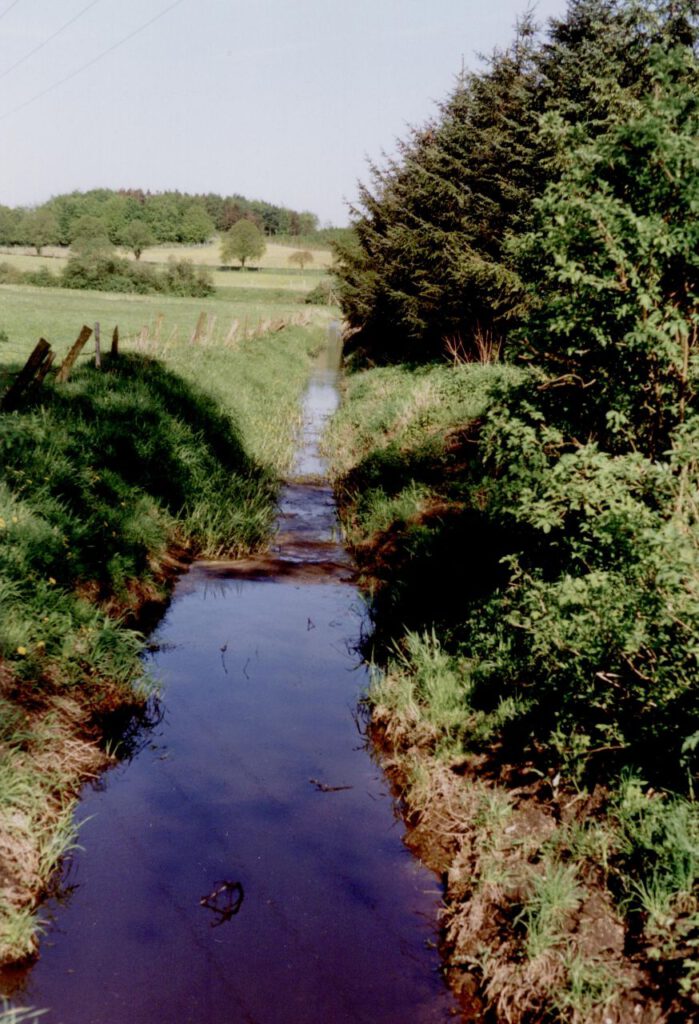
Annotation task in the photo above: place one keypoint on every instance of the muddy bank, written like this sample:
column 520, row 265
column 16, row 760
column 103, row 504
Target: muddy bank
column 496, row 834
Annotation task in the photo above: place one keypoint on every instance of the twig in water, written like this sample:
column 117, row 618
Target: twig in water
column 323, row 787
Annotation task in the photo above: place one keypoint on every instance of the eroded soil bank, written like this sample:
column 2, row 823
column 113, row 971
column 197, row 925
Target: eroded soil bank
column 247, row 864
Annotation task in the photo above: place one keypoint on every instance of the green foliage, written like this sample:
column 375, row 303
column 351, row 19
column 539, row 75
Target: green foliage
column 137, row 236
column 555, row 896
column 658, row 870
column 180, row 277
column 98, row 271
column 565, row 573
column 173, row 217
column 196, row 226
column 10, row 231
column 38, row 228
column 243, row 242
column 90, row 237
column 613, row 265
column 427, row 264
column 325, row 293
column 536, row 531
column 105, row 473
column 10, row 274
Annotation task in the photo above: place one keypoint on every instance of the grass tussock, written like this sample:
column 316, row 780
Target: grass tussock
column 109, row 483
column 535, row 622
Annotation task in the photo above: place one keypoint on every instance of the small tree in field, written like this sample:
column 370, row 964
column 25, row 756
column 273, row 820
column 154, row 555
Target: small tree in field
column 136, row 237
column 243, row 242
column 40, row 228
column 300, row 258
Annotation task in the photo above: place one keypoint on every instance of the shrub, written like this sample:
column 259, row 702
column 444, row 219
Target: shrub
column 108, row 272
column 182, row 278
column 325, row 293
column 10, row 274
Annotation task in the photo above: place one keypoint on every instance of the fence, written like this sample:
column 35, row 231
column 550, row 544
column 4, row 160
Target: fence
column 149, row 339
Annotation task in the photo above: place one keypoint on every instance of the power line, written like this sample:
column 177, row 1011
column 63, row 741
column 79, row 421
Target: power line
column 50, row 38
column 91, row 63
column 8, row 9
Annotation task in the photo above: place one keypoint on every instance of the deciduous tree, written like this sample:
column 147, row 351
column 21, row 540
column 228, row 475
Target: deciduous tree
column 613, row 269
column 39, row 228
column 301, row 258
column 137, row 236
column 243, row 242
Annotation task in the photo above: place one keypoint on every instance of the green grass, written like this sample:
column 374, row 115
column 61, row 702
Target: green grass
column 28, row 313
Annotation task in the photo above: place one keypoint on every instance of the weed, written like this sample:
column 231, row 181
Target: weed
column 556, row 895
column 590, row 985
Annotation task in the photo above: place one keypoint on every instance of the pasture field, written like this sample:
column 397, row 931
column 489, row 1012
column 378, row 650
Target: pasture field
column 153, row 322
column 276, row 257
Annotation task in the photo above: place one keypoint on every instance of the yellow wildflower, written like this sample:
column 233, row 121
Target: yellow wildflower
column 22, row 650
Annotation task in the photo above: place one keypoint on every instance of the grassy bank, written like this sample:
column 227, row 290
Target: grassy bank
column 535, row 618
column 109, row 483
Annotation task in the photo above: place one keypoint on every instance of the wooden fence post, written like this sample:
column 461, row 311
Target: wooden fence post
column 67, row 364
column 199, row 329
column 115, row 342
column 34, row 365
column 44, row 368
column 98, row 354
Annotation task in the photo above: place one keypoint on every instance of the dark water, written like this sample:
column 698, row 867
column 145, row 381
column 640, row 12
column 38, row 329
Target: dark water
column 255, row 795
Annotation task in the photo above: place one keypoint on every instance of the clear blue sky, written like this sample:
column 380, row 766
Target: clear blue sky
column 281, row 100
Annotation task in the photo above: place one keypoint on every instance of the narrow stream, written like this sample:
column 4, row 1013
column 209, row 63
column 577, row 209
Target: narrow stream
column 247, row 865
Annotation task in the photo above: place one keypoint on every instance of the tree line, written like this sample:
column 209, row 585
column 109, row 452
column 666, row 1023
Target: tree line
column 159, row 218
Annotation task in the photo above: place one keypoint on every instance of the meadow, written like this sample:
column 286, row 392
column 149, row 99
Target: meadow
column 276, row 256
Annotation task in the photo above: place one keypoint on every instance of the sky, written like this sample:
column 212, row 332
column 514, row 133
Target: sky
column 282, row 100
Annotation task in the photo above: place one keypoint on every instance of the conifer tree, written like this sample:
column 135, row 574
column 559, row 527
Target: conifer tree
column 427, row 265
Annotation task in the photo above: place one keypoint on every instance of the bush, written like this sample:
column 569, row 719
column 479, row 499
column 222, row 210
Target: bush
column 181, row 278
column 10, row 274
column 325, row 293
column 107, row 272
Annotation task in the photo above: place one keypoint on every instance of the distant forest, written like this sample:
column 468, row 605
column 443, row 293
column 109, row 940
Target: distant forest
column 171, row 217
